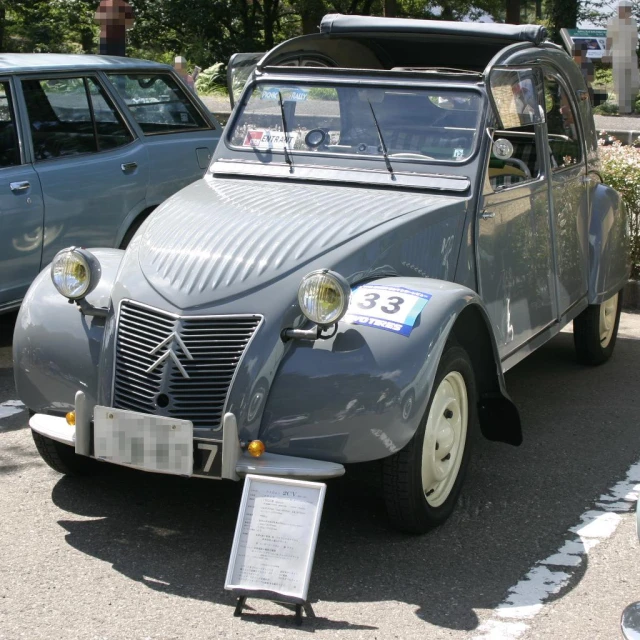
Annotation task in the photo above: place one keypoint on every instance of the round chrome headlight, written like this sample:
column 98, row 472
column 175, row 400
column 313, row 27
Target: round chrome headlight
column 74, row 272
column 324, row 296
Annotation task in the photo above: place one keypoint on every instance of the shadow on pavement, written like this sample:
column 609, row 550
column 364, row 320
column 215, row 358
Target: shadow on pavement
column 580, row 430
column 7, row 322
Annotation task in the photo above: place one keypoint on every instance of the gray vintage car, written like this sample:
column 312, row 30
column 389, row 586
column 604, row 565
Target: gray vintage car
column 399, row 212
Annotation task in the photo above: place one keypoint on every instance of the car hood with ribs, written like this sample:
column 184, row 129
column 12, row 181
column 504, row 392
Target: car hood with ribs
column 219, row 238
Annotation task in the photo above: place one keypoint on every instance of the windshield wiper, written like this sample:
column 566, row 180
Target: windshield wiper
column 287, row 156
column 382, row 144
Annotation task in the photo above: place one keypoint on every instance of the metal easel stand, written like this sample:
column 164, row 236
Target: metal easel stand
column 300, row 605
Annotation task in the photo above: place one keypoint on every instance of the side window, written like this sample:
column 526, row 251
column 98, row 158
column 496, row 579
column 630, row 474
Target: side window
column 60, row 117
column 9, row 148
column 514, row 158
column 110, row 128
column 158, row 103
column 63, row 121
column 562, row 124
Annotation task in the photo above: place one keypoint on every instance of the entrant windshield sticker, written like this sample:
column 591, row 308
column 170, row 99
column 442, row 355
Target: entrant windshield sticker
column 266, row 139
column 386, row 307
column 293, row 95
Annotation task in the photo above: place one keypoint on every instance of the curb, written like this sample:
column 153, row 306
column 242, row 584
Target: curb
column 626, row 137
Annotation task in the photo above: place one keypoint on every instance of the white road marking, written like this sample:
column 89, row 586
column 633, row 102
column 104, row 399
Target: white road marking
column 10, row 407
column 512, row 618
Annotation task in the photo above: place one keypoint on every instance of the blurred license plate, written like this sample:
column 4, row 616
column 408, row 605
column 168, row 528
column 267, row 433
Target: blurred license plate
column 152, row 443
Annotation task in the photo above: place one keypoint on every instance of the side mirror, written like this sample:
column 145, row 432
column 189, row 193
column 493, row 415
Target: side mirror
column 516, row 95
column 630, row 622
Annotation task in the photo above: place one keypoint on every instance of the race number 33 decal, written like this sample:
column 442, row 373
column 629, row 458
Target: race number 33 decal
column 386, row 307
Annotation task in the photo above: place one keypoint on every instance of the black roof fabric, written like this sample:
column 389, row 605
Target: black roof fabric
column 336, row 23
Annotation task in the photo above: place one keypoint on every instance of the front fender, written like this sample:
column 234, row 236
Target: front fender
column 361, row 395
column 56, row 349
column 609, row 265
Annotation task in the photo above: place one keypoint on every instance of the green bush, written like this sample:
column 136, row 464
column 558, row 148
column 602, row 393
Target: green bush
column 212, row 80
column 604, row 75
column 621, row 170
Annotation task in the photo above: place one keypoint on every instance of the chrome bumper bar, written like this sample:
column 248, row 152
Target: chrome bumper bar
column 235, row 462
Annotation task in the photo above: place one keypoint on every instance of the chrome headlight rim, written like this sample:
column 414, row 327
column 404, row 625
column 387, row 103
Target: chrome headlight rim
column 340, row 285
column 91, row 268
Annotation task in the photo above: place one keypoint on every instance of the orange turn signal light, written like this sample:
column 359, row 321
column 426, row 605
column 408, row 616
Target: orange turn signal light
column 71, row 418
column 256, row 448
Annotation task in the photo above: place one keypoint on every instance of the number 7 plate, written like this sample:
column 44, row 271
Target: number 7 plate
column 207, row 458
column 386, row 307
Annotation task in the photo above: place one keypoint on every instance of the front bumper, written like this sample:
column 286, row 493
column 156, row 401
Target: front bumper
column 236, row 463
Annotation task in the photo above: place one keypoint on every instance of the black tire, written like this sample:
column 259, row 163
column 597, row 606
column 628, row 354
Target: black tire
column 590, row 348
column 63, row 458
column 407, row 505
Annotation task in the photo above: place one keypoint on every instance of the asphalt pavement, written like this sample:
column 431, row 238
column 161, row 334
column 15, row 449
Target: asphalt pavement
column 132, row 555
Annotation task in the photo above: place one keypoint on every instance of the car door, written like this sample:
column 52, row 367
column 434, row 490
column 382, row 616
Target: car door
column 515, row 251
column 569, row 189
column 21, row 207
column 92, row 168
column 180, row 136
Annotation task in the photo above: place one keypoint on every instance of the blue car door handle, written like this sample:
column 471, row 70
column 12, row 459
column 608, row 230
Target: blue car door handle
column 128, row 167
column 19, row 187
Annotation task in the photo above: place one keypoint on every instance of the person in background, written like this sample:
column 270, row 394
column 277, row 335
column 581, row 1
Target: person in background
column 579, row 53
column 180, row 65
column 114, row 18
column 622, row 43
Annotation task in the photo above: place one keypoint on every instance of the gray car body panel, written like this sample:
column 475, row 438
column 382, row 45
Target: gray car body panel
column 240, row 244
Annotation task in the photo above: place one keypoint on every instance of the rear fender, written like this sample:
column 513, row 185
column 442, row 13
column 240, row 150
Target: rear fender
column 609, row 265
column 361, row 395
column 56, row 349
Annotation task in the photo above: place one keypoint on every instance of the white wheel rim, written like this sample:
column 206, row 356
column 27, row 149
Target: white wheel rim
column 445, row 436
column 608, row 311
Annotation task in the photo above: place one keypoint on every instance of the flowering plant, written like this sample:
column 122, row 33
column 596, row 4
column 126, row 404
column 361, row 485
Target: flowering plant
column 621, row 170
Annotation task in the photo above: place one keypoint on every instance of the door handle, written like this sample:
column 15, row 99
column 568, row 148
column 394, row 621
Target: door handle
column 19, row 187
column 128, row 166
column 487, row 215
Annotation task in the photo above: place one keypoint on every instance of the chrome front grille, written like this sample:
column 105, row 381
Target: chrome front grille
column 147, row 377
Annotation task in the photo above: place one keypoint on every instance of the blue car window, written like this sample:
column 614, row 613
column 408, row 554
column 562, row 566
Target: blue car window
column 60, row 117
column 158, row 103
column 110, row 128
column 9, row 149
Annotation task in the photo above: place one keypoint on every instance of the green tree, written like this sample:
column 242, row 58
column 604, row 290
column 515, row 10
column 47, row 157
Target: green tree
column 563, row 14
column 57, row 26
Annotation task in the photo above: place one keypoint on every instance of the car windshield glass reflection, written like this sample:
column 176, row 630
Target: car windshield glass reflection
column 416, row 124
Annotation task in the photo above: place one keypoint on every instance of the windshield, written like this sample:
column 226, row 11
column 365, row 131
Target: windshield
column 426, row 124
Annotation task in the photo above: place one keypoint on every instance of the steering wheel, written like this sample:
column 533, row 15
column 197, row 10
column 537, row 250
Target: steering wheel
column 520, row 165
column 409, row 155
column 145, row 84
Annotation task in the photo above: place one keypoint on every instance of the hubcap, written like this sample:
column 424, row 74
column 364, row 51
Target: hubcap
column 608, row 311
column 444, row 438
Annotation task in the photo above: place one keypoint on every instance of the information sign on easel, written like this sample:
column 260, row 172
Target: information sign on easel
column 275, row 541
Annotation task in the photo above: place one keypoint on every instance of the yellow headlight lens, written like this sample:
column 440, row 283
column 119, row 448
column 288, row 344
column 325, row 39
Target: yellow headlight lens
column 324, row 297
column 71, row 274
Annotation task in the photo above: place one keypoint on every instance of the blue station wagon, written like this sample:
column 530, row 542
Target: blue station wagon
column 89, row 146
